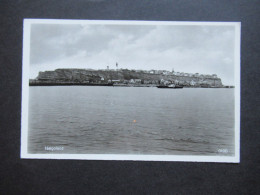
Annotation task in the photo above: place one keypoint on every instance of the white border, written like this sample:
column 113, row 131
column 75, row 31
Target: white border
column 25, row 96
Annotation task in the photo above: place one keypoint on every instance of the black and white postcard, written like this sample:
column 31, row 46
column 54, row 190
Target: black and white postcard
column 131, row 90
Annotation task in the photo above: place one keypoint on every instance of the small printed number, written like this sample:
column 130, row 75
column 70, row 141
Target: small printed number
column 223, row 150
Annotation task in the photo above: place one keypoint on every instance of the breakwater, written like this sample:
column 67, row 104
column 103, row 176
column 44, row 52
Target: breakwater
column 40, row 83
column 123, row 77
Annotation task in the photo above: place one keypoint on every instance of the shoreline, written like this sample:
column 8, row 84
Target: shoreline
column 115, row 85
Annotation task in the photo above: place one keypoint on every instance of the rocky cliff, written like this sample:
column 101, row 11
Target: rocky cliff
column 127, row 76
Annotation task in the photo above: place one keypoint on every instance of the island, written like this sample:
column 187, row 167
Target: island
column 125, row 77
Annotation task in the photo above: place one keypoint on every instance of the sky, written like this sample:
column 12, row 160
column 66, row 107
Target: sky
column 200, row 49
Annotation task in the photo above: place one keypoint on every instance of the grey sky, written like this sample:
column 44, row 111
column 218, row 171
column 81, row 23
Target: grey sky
column 186, row 48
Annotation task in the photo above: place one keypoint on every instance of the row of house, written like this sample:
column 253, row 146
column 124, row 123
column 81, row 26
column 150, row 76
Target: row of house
column 162, row 82
column 186, row 83
column 166, row 72
column 134, row 81
column 197, row 75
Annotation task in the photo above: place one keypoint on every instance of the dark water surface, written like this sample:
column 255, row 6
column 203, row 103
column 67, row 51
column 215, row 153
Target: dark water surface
column 131, row 120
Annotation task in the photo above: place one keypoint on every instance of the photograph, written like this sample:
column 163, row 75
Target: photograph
column 131, row 90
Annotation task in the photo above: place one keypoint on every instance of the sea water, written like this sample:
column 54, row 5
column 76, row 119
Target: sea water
column 131, row 120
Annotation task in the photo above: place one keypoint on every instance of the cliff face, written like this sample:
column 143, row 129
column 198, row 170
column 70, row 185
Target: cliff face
column 125, row 76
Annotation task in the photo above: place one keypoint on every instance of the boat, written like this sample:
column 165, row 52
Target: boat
column 171, row 86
